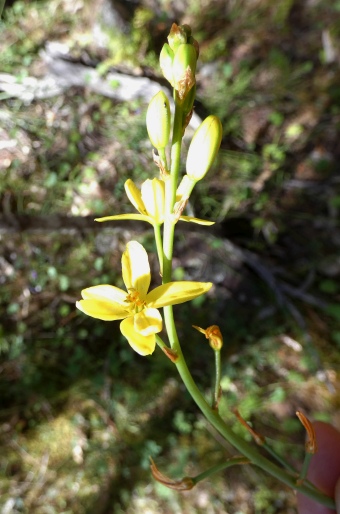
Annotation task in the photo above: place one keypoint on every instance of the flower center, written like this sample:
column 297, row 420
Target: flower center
column 133, row 298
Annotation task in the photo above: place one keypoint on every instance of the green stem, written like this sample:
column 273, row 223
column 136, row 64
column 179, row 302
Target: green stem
column 277, row 457
column 170, row 194
column 305, row 466
column 161, row 343
column 162, row 155
column 234, row 461
column 159, row 246
column 216, row 394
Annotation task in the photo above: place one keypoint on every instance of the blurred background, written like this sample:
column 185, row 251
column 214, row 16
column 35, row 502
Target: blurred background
column 80, row 412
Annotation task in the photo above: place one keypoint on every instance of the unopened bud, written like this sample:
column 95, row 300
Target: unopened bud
column 165, row 61
column 194, row 42
column 183, row 69
column 204, row 147
column 158, row 120
column 177, row 36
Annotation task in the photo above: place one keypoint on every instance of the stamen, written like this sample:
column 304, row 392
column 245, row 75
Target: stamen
column 134, row 299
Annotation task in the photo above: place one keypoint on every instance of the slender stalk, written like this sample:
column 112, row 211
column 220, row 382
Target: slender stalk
column 216, row 393
column 277, row 457
column 161, row 343
column 234, row 461
column 170, row 194
column 159, row 246
column 305, row 466
column 163, row 158
column 285, row 464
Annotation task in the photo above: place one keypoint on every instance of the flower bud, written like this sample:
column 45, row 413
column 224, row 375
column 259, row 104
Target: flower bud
column 177, row 36
column 158, row 120
column 195, row 44
column 183, row 69
column 165, row 60
column 204, row 147
column 153, row 196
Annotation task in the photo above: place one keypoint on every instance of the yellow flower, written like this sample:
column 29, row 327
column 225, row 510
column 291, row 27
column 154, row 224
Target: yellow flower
column 137, row 307
column 149, row 202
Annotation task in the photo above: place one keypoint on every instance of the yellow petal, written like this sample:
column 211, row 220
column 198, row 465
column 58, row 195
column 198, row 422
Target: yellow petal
column 106, row 311
column 134, row 195
column 153, row 196
column 176, row 292
column 144, row 345
column 138, row 217
column 105, row 292
column 136, row 269
column 148, row 321
column 198, row 221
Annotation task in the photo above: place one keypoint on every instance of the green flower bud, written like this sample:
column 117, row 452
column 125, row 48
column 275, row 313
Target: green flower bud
column 165, row 60
column 158, row 120
column 177, row 36
column 204, row 147
column 183, row 69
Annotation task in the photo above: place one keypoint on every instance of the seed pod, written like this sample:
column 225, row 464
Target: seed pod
column 158, row 120
column 204, row 147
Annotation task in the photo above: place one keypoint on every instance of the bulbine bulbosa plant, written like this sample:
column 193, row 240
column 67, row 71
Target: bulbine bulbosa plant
column 161, row 201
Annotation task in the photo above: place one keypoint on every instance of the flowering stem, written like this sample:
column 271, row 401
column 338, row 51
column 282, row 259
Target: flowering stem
column 170, row 194
column 209, row 412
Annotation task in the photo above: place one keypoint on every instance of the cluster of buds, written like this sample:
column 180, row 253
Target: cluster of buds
column 178, row 61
